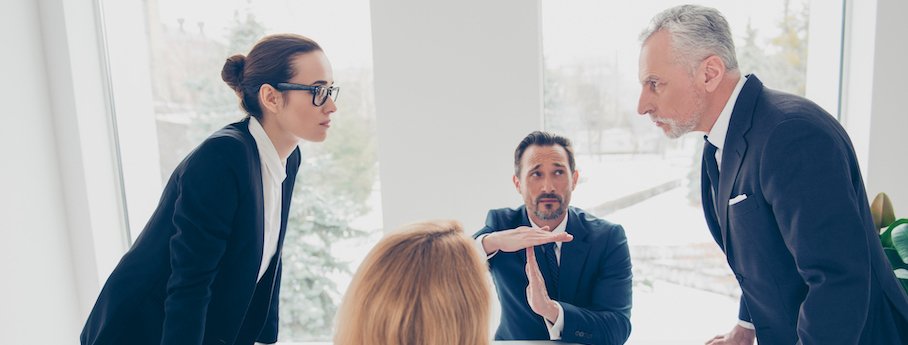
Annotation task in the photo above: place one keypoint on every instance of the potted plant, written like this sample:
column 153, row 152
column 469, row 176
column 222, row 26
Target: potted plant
column 893, row 236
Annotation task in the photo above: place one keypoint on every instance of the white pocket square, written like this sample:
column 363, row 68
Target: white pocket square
column 737, row 199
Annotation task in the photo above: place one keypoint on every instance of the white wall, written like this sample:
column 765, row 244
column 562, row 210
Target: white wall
column 874, row 88
column 62, row 223
column 39, row 301
column 458, row 84
column 888, row 170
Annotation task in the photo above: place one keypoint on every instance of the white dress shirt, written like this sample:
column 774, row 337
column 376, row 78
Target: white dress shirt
column 556, row 327
column 717, row 136
column 273, row 174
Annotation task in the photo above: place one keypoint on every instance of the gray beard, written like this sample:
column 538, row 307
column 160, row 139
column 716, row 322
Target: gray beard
column 551, row 215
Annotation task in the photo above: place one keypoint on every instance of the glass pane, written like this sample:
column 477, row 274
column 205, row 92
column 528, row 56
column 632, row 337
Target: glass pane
column 336, row 212
column 631, row 173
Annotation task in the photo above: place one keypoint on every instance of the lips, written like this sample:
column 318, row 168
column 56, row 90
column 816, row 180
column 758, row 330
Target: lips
column 326, row 123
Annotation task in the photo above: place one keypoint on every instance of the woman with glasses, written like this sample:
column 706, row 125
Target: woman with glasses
column 207, row 267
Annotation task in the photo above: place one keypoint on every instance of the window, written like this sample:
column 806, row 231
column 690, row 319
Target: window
column 166, row 57
column 633, row 175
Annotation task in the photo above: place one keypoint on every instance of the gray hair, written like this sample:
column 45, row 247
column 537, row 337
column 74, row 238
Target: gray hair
column 696, row 32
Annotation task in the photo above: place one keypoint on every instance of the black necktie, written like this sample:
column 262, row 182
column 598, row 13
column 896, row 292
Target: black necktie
column 712, row 168
column 549, row 250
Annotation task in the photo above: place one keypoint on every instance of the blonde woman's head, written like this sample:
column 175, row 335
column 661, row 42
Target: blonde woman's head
column 424, row 284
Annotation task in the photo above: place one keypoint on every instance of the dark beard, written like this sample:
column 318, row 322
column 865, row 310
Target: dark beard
column 551, row 213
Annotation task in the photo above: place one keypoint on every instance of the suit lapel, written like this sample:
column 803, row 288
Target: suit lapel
column 735, row 148
column 287, row 195
column 573, row 257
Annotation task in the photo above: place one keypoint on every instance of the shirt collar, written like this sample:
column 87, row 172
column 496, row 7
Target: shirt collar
column 275, row 166
column 562, row 227
column 717, row 134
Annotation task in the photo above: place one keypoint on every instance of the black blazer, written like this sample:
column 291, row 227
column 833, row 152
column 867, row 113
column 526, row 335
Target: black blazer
column 802, row 244
column 594, row 281
column 190, row 277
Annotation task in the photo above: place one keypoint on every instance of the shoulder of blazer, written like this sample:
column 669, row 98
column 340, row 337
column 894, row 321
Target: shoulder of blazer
column 592, row 225
column 508, row 217
column 231, row 147
column 234, row 140
column 776, row 107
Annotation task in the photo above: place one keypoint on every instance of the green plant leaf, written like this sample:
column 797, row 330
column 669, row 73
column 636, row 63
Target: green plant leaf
column 886, row 236
column 899, row 235
column 894, row 259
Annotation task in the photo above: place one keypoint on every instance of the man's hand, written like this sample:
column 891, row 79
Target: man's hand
column 520, row 238
column 537, row 296
column 738, row 336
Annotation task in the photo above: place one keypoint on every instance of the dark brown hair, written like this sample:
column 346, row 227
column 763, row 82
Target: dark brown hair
column 543, row 139
column 269, row 62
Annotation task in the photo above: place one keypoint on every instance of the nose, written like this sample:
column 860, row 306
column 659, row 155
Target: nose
column 547, row 185
column 329, row 106
column 644, row 104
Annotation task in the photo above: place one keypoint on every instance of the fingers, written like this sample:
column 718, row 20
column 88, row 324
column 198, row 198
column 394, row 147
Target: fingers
column 548, row 237
column 527, row 237
column 533, row 273
column 715, row 340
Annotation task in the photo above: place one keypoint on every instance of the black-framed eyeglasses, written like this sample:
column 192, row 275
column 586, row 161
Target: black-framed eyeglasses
column 320, row 93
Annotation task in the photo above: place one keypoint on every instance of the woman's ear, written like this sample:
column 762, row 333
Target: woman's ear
column 270, row 98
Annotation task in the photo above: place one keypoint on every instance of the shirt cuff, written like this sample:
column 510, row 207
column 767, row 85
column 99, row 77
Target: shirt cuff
column 483, row 249
column 556, row 328
column 746, row 324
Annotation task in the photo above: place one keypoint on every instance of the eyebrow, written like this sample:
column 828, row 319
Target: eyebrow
column 534, row 168
column 320, row 82
column 537, row 166
column 648, row 79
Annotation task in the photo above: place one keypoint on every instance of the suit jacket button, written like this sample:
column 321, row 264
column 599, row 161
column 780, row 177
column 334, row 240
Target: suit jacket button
column 578, row 333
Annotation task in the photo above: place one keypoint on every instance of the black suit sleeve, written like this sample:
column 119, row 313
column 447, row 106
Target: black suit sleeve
column 743, row 313
column 489, row 227
column 807, row 175
column 607, row 319
column 203, row 214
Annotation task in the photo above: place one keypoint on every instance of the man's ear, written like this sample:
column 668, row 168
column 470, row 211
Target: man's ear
column 713, row 70
column 575, row 177
column 270, row 98
column 516, row 183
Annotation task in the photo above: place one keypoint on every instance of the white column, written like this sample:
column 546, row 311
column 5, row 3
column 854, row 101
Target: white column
column 458, row 85
column 875, row 88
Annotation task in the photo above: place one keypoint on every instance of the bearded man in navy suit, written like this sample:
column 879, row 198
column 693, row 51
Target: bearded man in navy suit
column 560, row 272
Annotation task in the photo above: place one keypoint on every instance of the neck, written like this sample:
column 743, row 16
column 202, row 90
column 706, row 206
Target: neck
column 717, row 99
column 284, row 142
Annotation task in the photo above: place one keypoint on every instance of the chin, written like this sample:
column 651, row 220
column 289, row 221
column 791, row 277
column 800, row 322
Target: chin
column 314, row 136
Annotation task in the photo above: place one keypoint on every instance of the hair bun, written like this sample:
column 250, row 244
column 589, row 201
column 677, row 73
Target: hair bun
column 232, row 73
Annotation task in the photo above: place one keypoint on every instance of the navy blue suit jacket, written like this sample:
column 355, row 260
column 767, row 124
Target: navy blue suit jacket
column 190, row 277
column 594, row 281
column 802, row 244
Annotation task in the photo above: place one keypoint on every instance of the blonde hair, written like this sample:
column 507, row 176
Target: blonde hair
column 424, row 284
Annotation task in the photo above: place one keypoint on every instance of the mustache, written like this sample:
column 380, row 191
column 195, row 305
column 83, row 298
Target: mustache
column 549, row 196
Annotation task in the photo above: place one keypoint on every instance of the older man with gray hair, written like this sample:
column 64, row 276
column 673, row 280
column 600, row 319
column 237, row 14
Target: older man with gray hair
column 781, row 188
